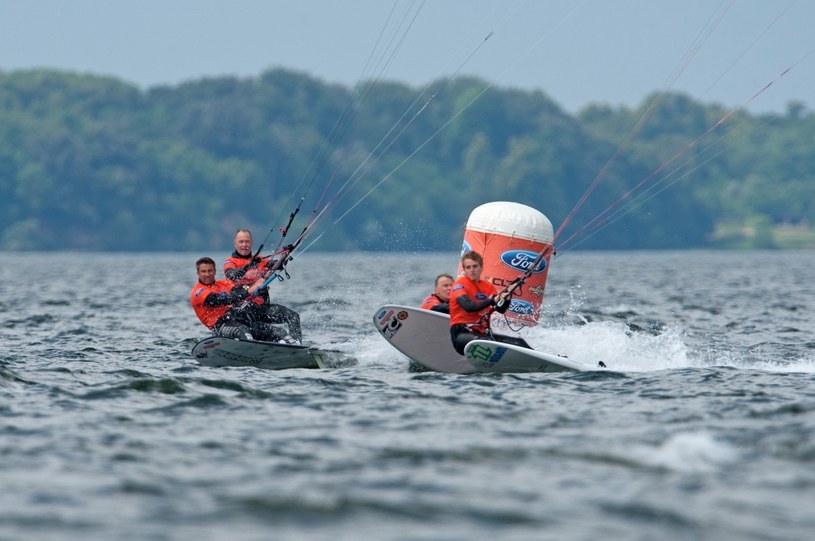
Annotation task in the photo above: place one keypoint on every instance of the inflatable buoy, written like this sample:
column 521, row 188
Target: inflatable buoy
column 510, row 237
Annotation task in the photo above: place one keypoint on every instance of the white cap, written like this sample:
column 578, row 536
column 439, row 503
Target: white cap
column 512, row 220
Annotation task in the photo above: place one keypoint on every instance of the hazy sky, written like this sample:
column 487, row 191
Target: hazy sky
column 576, row 51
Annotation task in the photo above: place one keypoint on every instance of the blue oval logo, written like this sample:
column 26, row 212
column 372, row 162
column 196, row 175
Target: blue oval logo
column 523, row 260
column 521, row 307
column 465, row 247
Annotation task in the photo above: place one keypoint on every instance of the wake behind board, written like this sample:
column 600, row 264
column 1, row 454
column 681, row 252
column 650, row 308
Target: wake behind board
column 489, row 356
column 218, row 351
column 421, row 335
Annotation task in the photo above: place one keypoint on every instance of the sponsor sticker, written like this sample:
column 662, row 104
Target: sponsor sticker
column 521, row 307
column 383, row 316
column 523, row 260
column 484, row 353
column 236, row 357
column 391, row 327
column 537, row 291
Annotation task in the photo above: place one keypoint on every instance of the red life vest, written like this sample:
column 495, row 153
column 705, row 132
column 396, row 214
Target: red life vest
column 431, row 301
column 209, row 315
column 476, row 291
column 237, row 261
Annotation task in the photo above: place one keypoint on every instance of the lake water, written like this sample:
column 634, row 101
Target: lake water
column 704, row 428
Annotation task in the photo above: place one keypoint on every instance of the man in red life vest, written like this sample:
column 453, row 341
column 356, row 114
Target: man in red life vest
column 472, row 301
column 244, row 269
column 218, row 304
column 439, row 300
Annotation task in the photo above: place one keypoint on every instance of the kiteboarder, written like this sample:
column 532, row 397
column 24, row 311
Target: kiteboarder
column 439, row 300
column 221, row 306
column 244, row 268
column 472, row 300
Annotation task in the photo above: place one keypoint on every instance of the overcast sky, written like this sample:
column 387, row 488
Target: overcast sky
column 575, row 51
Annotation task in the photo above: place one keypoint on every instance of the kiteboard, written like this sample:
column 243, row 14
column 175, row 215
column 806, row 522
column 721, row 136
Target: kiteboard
column 423, row 336
column 489, row 356
column 218, row 351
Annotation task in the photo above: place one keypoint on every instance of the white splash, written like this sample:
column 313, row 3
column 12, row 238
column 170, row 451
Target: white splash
column 687, row 452
column 615, row 345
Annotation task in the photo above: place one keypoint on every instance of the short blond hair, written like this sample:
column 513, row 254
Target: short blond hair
column 473, row 256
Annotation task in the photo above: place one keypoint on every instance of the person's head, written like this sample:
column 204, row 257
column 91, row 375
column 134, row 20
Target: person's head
column 472, row 263
column 442, row 286
column 205, row 269
column 243, row 242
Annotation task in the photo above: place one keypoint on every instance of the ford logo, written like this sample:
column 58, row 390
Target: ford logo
column 517, row 306
column 523, row 260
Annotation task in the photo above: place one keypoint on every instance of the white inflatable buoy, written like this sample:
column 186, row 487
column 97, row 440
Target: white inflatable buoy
column 510, row 237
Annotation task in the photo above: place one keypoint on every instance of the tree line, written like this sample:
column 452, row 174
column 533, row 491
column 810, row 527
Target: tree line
column 95, row 163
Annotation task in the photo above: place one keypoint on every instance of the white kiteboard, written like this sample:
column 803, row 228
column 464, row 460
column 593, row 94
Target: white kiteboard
column 424, row 337
column 489, row 356
column 421, row 335
column 218, row 351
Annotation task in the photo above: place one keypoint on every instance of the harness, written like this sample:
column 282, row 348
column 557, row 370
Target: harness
column 482, row 327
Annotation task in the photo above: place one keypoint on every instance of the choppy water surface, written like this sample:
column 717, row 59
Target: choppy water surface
column 704, row 430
